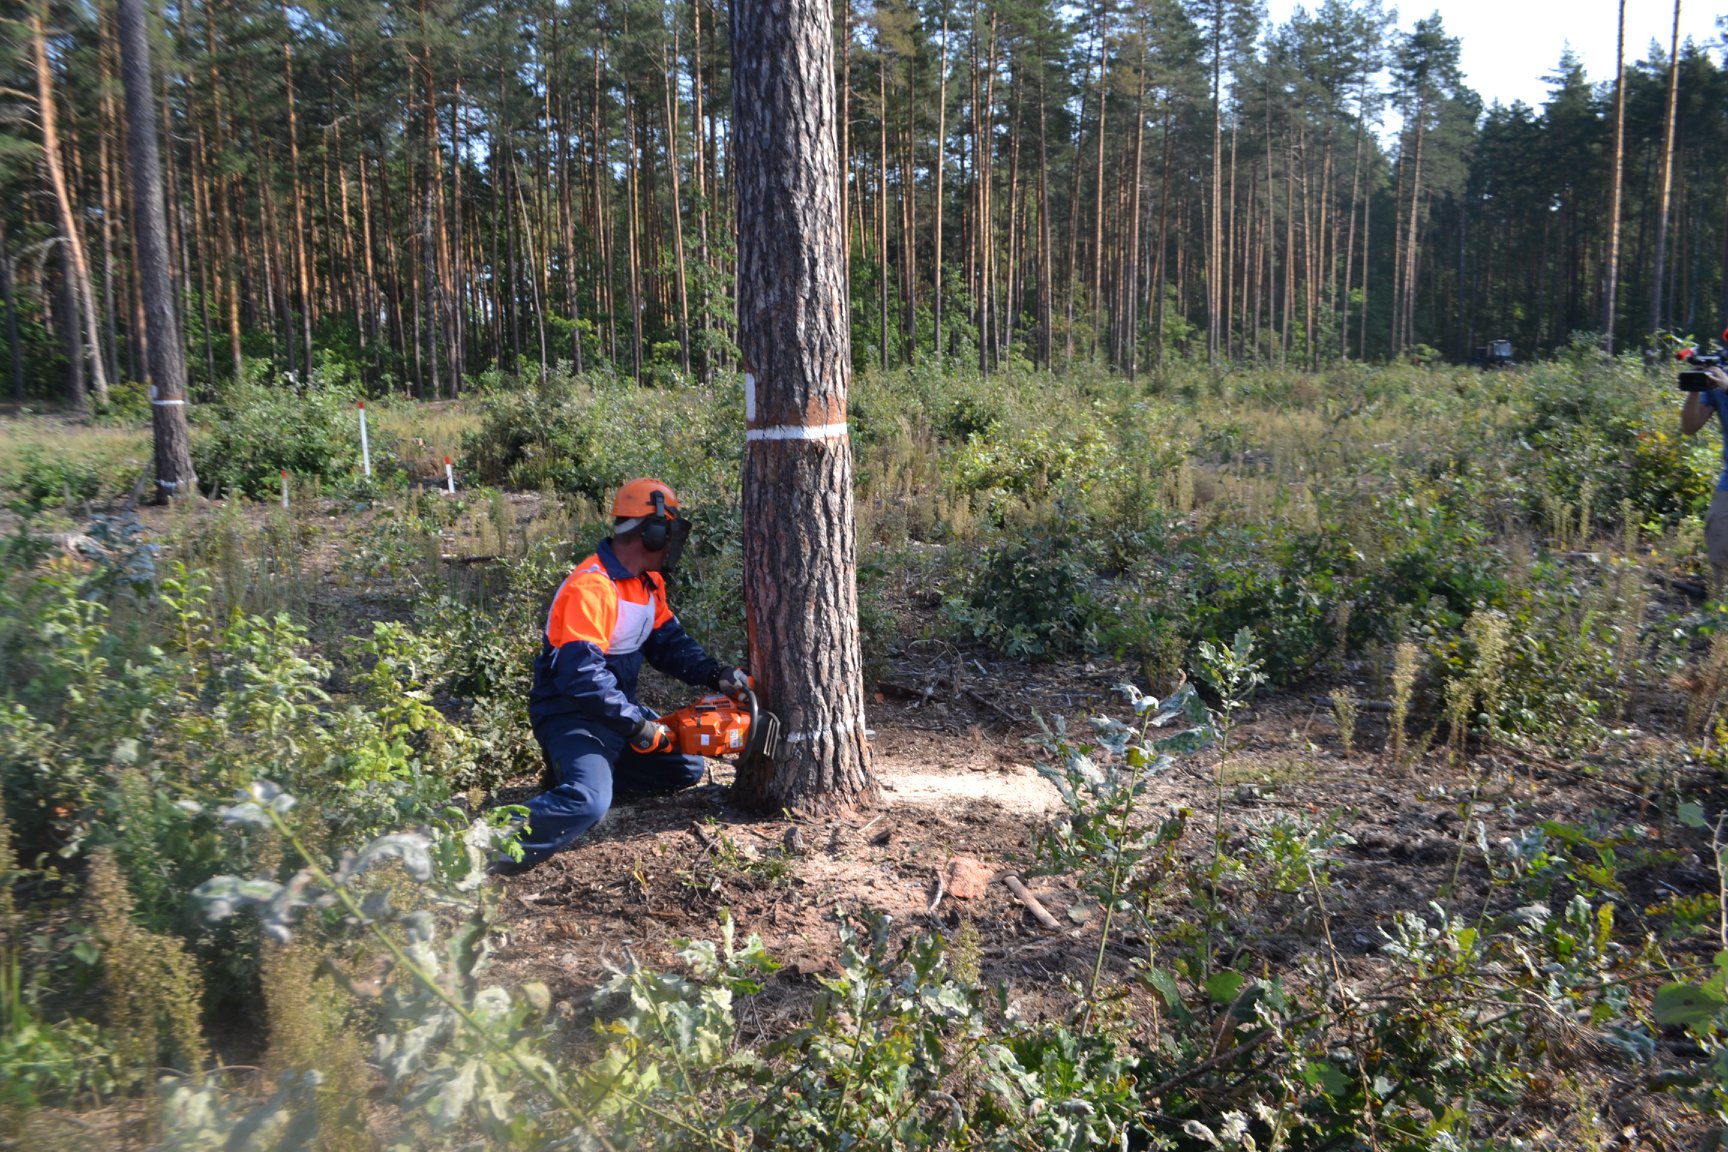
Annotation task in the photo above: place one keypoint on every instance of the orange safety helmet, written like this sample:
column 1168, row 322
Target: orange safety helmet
column 636, row 498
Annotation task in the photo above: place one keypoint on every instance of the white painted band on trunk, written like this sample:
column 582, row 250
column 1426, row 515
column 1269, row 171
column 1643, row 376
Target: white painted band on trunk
column 749, row 397
column 164, row 403
column 837, row 726
column 798, row 432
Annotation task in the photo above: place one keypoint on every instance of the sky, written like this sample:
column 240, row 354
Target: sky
column 1509, row 45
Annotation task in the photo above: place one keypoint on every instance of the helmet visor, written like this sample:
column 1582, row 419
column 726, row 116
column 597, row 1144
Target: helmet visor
column 678, row 532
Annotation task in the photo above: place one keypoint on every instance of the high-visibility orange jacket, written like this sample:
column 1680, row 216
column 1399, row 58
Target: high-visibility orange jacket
column 603, row 623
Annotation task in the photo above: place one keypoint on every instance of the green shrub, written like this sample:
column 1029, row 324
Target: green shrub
column 585, row 435
column 42, row 479
column 255, row 431
column 1036, row 595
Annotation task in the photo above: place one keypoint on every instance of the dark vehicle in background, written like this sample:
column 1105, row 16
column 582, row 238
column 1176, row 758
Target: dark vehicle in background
column 1494, row 354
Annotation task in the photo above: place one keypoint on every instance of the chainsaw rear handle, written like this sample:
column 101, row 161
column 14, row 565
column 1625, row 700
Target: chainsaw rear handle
column 650, row 737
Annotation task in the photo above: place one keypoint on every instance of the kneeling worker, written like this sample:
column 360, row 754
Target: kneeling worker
column 608, row 616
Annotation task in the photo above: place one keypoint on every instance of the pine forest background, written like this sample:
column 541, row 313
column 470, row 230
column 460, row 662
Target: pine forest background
column 419, row 193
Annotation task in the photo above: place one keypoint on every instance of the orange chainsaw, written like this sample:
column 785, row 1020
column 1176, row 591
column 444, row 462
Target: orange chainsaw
column 718, row 725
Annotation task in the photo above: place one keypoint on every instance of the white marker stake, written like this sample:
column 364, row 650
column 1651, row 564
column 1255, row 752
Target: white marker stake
column 365, row 444
column 284, row 487
column 449, row 477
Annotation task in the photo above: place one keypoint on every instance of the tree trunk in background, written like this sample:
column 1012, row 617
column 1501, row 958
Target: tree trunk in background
column 67, row 320
column 677, row 218
column 1213, row 242
column 800, row 551
column 301, row 246
column 15, row 358
column 69, row 231
column 1046, row 278
column 1665, row 182
column 881, row 199
column 941, row 163
column 174, row 477
column 1098, row 182
column 1610, row 289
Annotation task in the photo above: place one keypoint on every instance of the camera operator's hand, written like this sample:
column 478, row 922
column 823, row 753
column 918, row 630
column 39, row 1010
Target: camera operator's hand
column 1696, row 411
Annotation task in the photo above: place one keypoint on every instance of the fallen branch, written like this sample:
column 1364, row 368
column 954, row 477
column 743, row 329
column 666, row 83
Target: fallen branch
column 936, row 897
column 703, row 838
column 1039, row 912
column 980, row 698
column 1689, row 588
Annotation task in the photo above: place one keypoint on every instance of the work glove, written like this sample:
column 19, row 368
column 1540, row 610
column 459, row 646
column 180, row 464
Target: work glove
column 651, row 736
column 735, row 682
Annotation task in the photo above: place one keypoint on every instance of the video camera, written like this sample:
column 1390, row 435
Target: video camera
column 1694, row 377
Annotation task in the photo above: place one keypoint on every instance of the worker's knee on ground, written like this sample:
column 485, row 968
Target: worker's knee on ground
column 693, row 768
column 666, row 772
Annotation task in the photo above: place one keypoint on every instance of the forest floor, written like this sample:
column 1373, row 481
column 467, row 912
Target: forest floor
column 962, row 806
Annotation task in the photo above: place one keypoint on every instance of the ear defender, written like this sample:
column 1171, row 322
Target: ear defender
column 657, row 528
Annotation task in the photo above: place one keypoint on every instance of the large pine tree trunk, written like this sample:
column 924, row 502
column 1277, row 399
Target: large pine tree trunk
column 174, row 476
column 800, row 551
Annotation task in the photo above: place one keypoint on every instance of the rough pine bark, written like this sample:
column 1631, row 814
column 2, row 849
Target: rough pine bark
column 800, row 547
column 174, row 477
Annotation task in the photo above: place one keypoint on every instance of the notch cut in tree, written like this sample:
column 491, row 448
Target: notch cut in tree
column 800, row 543
column 174, row 477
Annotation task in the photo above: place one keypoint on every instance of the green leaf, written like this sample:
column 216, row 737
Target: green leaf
column 1165, row 985
column 1328, row 1079
column 1224, row 987
column 1688, row 1005
column 1691, row 814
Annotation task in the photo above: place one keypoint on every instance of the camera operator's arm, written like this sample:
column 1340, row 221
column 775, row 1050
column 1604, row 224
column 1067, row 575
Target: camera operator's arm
column 1695, row 413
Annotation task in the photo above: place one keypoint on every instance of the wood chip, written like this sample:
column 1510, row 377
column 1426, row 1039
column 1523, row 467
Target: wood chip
column 967, row 878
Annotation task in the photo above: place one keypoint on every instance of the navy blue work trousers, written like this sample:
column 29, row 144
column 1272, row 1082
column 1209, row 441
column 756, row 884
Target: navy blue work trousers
column 588, row 761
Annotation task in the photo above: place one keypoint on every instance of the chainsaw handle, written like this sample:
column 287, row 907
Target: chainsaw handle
column 764, row 728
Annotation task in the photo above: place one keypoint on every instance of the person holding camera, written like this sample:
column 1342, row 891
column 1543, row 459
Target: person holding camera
column 1694, row 414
